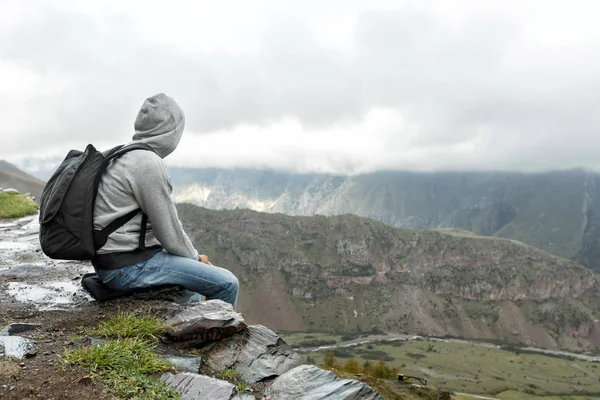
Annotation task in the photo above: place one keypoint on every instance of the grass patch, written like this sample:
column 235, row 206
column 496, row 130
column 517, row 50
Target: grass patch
column 128, row 325
column 232, row 376
column 374, row 355
column 16, row 206
column 125, row 366
column 229, row 374
column 243, row 387
column 516, row 395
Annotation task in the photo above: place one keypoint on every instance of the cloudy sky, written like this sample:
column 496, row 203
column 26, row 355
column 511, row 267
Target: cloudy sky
column 338, row 85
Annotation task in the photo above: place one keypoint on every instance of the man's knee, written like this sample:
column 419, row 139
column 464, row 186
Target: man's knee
column 229, row 282
column 232, row 282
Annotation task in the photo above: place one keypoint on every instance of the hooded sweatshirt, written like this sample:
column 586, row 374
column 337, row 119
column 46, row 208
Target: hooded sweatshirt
column 139, row 179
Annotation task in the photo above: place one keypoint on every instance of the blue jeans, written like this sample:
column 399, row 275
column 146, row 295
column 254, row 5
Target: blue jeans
column 167, row 269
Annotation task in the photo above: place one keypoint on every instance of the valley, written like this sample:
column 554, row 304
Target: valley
column 504, row 372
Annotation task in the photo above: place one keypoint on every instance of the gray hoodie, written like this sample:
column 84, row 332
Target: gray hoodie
column 139, row 179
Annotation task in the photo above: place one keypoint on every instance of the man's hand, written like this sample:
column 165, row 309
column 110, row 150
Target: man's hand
column 204, row 259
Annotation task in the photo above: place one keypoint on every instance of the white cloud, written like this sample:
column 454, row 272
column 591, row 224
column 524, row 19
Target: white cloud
column 334, row 86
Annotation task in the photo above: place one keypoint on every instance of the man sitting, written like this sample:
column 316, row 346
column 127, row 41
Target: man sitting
column 152, row 249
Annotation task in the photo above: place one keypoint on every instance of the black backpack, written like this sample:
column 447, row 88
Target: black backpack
column 67, row 204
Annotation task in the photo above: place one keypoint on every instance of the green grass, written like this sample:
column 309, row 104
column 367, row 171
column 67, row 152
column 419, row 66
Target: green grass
column 125, row 366
column 228, row 374
column 472, row 368
column 243, row 387
column 515, row 395
column 128, row 363
column 16, row 206
column 232, row 376
column 128, row 325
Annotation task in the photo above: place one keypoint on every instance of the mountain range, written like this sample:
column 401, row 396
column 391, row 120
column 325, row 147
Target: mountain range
column 555, row 211
column 435, row 254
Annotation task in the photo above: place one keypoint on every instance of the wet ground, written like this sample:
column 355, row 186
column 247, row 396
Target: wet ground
column 47, row 295
column 27, row 276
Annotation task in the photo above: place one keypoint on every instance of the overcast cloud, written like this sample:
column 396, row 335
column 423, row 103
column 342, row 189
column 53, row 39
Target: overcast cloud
column 337, row 86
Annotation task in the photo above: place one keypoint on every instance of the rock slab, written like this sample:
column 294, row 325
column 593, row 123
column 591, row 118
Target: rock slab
column 16, row 346
column 256, row 353
column 206, row 321
column 308, row 382
column 194, row 386
column 16, row 328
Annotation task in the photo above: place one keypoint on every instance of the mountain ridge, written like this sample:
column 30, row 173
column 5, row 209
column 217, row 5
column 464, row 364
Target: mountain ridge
column 350, row 274
column 554, row 211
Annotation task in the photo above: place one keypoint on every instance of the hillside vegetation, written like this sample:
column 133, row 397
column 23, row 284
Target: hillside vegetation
column 13, row 205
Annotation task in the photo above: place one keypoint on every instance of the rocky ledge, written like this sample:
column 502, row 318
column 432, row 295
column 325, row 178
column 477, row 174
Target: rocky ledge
column 257, row 355
column 203, row 338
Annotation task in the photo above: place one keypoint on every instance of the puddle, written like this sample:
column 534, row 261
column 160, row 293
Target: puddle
column 15, row 346
column 57, row 295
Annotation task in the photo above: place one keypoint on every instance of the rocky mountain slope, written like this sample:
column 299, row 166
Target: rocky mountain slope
column 13, row 177
column 346, row 273
column 554, row 211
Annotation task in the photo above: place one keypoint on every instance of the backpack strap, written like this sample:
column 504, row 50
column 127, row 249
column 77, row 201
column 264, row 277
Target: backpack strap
column 100, row 237
column 143, row 232
column 118, row 151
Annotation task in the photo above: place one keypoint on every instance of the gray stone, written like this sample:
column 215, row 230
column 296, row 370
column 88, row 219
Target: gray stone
column 194, row 386
column 16, row 346
column 206, row 321
column 17, row 328
column 255, row 353
column 243, row 396
column 184, row 363
column 10, row 190
column 308, row 382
